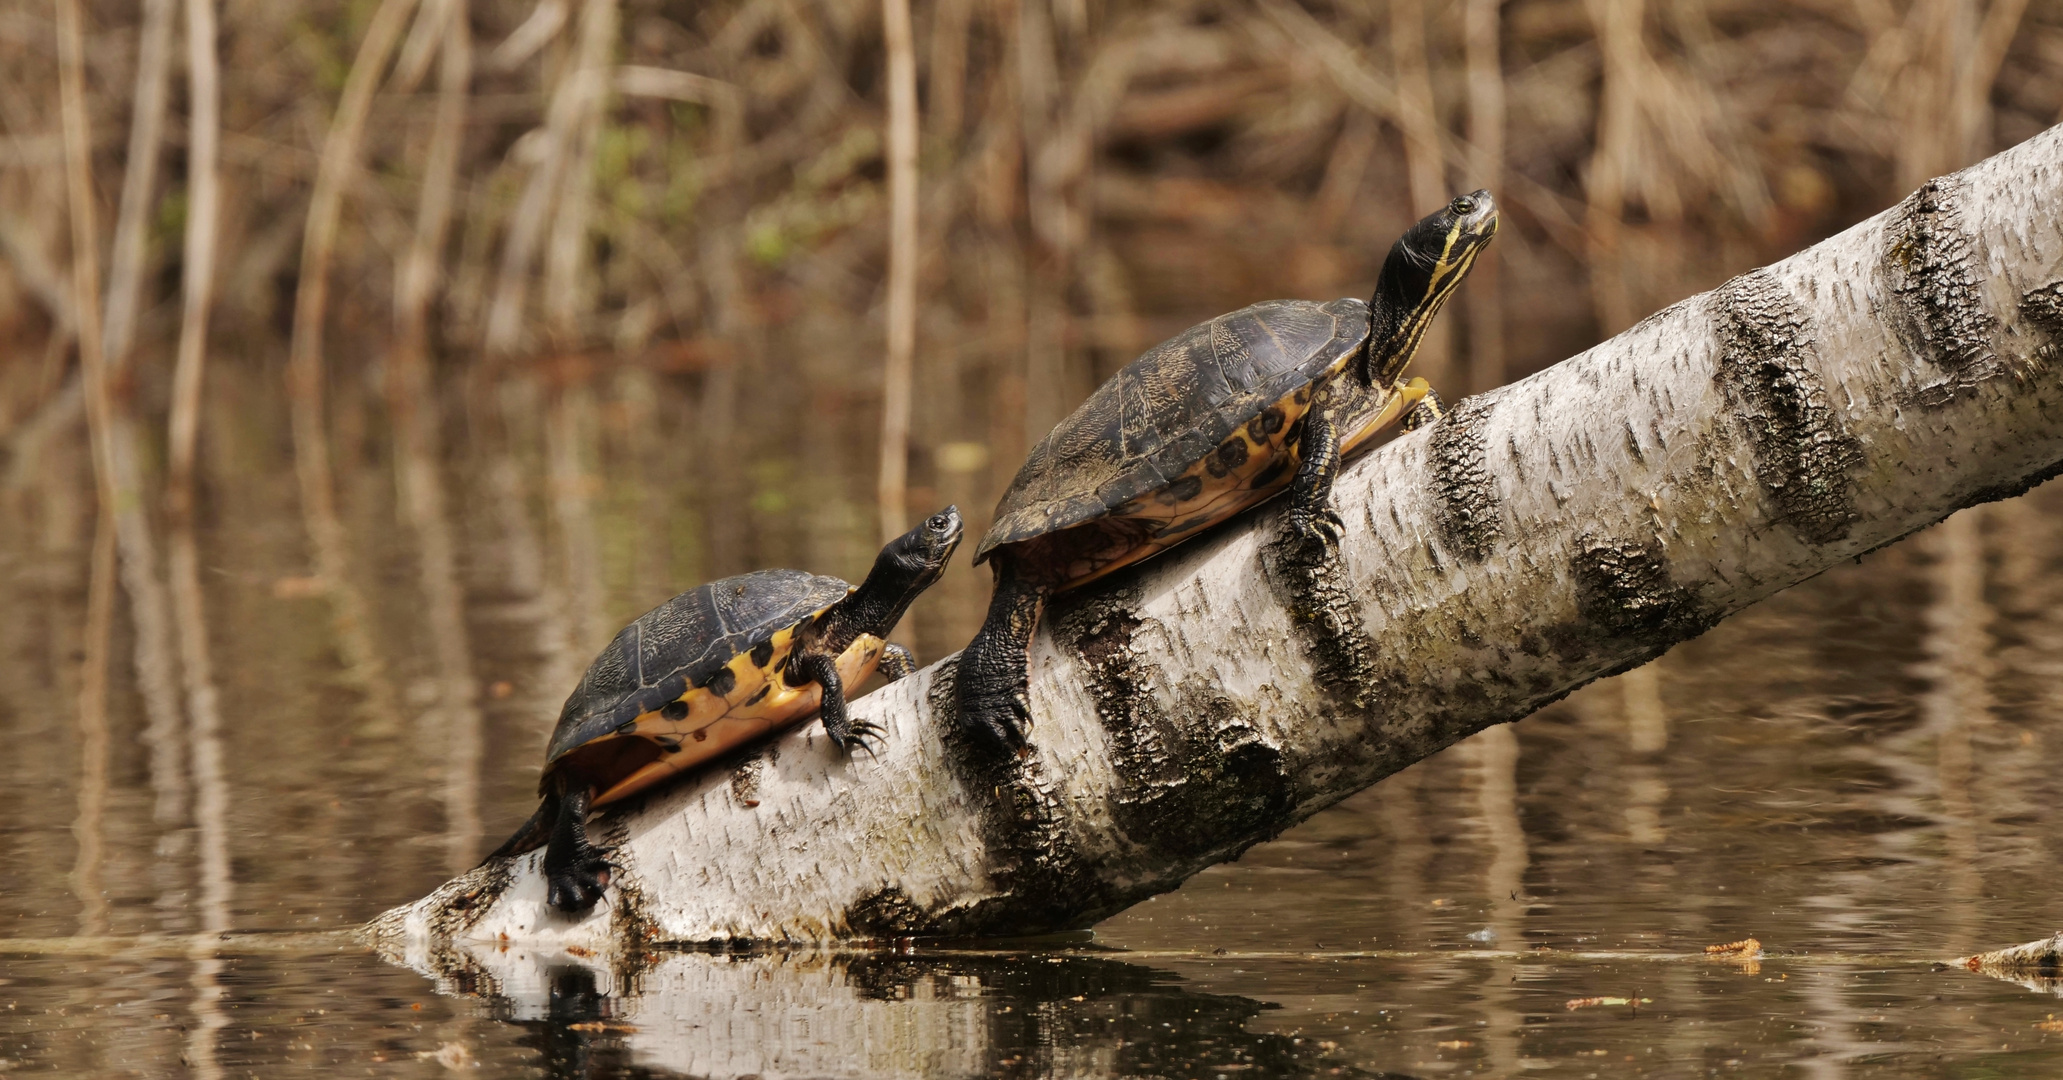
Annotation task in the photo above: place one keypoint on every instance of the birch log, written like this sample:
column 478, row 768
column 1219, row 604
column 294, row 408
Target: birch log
column 1559, row 529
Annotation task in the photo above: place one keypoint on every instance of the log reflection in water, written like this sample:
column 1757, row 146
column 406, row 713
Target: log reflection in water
column 878, row 1014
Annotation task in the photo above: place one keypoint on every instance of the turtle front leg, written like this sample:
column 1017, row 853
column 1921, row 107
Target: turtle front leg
column 1313, row 523
column 838, row 724
column 575, row 871
column 896, row 663
column 994, row 676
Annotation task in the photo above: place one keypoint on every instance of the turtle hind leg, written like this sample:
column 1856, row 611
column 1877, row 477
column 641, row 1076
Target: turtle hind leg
column 575, row 871
column 993, row 682
column 531, row 835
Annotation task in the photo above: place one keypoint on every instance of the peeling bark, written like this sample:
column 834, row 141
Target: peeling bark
column 1566, row 527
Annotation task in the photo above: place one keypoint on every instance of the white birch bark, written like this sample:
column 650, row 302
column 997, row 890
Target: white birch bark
column 1563, row 528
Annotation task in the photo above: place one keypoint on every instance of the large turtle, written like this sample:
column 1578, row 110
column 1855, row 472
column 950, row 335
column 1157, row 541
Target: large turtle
column 710, row 670
column 1201, row 427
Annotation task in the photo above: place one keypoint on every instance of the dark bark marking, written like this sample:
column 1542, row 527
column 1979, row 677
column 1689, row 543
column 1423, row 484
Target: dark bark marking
column 1930, row 268
column 887, row 912
column 1192, row 780
column 1465, row 509
column 2041, row 308
column 461, row 902
column 1326, row 613
column 1803, row 449
column 1037, row 866
column 1623, row 588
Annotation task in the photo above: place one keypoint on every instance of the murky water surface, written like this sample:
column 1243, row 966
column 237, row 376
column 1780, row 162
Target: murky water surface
column 1864, row 774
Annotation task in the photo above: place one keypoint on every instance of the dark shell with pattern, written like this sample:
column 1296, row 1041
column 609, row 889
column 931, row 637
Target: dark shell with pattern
column 1164, row 411
column 686, row 642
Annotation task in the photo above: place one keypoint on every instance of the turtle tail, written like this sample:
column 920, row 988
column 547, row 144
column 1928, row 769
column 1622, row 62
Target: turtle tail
column 531, row 835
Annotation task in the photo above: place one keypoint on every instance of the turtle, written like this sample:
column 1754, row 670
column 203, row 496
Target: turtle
column 1199, row 428
column 713, row 669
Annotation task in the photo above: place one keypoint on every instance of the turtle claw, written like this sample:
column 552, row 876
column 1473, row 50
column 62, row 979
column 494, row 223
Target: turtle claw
column 860, row 735
column 1317, row 532
column 999, row 720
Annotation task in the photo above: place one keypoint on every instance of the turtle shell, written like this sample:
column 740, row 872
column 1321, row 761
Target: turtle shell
column 700, row 640
column 1164, row 412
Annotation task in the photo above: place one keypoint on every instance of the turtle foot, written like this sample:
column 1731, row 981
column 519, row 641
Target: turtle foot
column 998, row 719
column 1315, row 534
column 575, row 887
column 858, row 735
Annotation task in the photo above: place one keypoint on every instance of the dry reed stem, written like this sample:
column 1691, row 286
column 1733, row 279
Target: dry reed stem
column 1617, row 24
column 1355, row 81
column 137, row 549
column 203, row 210
column 891, row 490
column 132, row 222
column 100, row 602
column 555, row 146
column 305, row 365
column 412, row 403
column 211, row 786
column 1481, row 22
column 566, row 281
column 424, row 44
column 1423, row 156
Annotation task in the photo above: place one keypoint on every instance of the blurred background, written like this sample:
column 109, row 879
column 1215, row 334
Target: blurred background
column 364, row 366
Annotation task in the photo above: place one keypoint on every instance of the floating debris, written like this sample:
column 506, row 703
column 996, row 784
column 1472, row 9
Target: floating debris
column 1746, row 952
column 603, row 1025
column 2051, row 1024
column 1584, row 1003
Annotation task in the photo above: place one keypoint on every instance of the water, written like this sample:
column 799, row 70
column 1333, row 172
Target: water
column 1862, row 774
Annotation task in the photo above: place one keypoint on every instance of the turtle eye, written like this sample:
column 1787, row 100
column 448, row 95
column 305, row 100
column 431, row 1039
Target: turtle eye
column 1462, row 206
column 936, row 523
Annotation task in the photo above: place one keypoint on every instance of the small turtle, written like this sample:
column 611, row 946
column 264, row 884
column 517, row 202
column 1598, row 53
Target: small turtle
column 713, row 669
column 1201, row 427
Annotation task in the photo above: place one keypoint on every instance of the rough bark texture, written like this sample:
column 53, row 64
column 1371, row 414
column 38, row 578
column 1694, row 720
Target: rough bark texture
column 1563, row 528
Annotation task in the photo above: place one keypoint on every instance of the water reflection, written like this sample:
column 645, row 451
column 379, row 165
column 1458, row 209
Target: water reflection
column 1861, row 772
column 885, row 1014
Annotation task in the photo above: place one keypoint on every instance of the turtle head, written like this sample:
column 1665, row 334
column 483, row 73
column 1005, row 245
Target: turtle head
column 905, row 568
column 1424, row 267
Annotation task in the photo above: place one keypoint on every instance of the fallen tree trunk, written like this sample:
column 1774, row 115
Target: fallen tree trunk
column 1560, row 529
